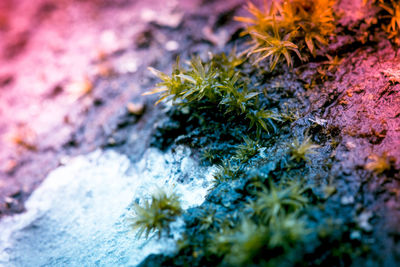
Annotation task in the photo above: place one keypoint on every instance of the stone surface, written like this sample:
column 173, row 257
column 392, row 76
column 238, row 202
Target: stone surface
column 80, row 215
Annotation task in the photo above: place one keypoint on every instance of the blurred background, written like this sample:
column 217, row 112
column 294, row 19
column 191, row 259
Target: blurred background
column 68, row 66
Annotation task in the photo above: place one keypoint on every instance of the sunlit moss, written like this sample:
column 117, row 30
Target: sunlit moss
column 275, row 201
column 379, row 164
column 238, row 246
column 226, row 171
column 304, row 24
column 245, row 244
column 247, row 150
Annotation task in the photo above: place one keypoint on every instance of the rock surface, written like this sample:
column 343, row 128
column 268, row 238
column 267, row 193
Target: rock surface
column 80, row 214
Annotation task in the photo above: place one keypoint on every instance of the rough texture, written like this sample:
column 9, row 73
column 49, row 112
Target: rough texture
column 351, row 112
column 80, row 213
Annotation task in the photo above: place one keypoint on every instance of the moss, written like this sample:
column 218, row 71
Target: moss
column 255, row 215
column 273, row 202
column 155, row 216
column 386, row 19
column 216, row 85
column 304, row 25
column 391, row 18
column 270, row 225
column 226, row 172
column 379, row 164
column 239, row 246
column 247, row 150
column 300, row 151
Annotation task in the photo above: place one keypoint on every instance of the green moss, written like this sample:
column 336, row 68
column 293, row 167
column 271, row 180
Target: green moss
column 276, row 201
column 208, row 155
column 239, row 246
column 208, row 82
column 216, row 85
column 304, row 25
column 263, row 120
column 155, row 216
column 226, row 171
column 253, row 215
column 379, row 164
column 270, row 224
column 247, row 150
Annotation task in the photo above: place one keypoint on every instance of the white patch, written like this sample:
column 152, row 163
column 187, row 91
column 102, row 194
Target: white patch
column 79, row 216
column 171, row 45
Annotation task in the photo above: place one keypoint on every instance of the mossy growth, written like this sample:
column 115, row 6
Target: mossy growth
column 247, row 150
column 393, row 9
column 155, row 216
column 226, row 171
column 246, row 210
column 217, row 85
column 306, row 27
column 203, row 82
column 380, row 164
column 300, row 151
column 388, row 17
column 270, row 225
column 253, row 215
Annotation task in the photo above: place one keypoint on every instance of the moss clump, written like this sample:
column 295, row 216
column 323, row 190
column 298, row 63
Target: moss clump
column 380, row 164
column 247, row 150
column 300, row 151
column 211, row 82
column 274, row 202
column 305, row 25
column 216, row 84
column 155, row 216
